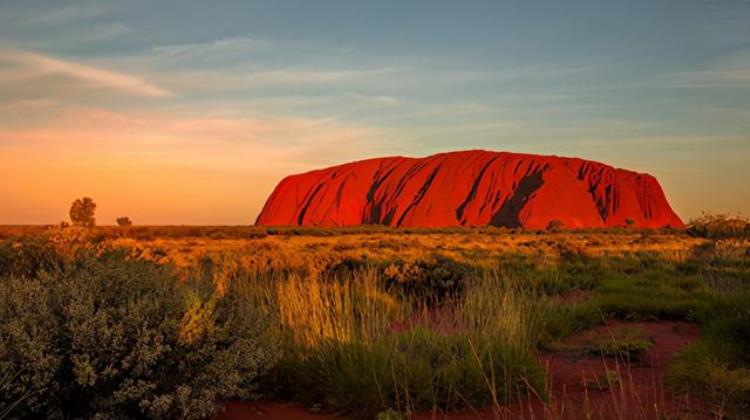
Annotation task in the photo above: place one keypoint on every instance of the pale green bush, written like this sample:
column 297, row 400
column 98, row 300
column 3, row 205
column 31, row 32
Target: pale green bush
column 111, row 336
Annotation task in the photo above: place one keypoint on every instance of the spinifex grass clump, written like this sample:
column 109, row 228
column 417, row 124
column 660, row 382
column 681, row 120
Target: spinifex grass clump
column 718, row 364
column 357, row 349
column 626, row 343
column 314, row 309
column 642, row 287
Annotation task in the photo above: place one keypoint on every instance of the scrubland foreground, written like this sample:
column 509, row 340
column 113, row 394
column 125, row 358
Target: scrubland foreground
column 373, row 323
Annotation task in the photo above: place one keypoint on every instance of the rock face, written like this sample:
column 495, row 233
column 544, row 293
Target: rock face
column 470, row 188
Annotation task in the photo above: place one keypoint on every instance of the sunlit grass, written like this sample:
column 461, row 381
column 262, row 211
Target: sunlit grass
column 374, row 320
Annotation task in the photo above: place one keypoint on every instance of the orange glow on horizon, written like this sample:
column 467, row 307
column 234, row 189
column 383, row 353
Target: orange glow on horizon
column 156, row 169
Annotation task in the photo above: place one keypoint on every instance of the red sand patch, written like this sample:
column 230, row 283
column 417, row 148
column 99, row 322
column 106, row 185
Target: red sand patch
column 639, row 395
column 269, row 410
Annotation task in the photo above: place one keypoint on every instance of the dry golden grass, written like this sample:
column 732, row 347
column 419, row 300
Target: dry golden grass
column 256, row 249
column 316, row 310
column 339, row 313
column 277, row 252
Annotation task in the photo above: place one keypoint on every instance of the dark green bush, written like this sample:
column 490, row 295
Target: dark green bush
column 111, row 336
column 28, row 256
column 555, row 226
column 431, row 281
column 717, row 226
column 345, row 267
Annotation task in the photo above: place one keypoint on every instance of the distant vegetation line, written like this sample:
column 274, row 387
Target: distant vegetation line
column 83, row 215
column 249, row 231
column 706, row 226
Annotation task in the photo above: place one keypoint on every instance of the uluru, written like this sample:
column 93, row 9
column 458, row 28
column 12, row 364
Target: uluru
column 470, row 188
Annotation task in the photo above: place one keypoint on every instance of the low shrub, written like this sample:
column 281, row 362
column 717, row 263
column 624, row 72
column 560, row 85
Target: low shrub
column 717, row 226
column 431, row 281
column 555, row 226
column 28, row 256
column 345, row 267
column 111, row 336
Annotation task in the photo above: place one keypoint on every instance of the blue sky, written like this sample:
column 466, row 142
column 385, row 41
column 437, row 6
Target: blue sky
column 131, row 102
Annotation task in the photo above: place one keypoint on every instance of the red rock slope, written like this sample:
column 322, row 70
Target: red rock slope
column 469, row 188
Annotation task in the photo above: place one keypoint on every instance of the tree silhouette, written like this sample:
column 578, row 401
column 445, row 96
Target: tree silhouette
column 124, row 221
column 555, row 225
column 82, row 212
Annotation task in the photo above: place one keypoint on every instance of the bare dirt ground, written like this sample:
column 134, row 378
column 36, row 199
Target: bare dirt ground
column 581, row 385
column 635, row 389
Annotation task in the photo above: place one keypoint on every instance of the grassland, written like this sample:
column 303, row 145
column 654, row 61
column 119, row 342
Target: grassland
column 374, row 322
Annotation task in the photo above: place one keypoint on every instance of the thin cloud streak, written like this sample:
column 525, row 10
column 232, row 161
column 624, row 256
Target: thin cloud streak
column 287, row 141
column 225, row 47
column 263, row 79
column 738, row 77
column 73, row 11
column 731, row 71
column 36, row 65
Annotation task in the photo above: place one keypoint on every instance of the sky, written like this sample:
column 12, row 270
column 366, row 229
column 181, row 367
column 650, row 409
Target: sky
column 190, row 112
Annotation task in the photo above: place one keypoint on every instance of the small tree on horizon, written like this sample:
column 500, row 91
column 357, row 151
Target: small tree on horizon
column 555, row 225
column 82, row 212
column 124, row 221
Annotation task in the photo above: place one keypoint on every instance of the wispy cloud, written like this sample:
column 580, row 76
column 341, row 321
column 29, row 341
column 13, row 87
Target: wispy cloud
column 72, row 11
column 711, row 78
column 731, row 71
column 61, row 13
column 725, row 23
column 222, row 140
column 31, row 65
column 28, row 105
column 134, row 160
column 106, row 32
column 246, row 78
column 305, row 77
column 221, row 48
